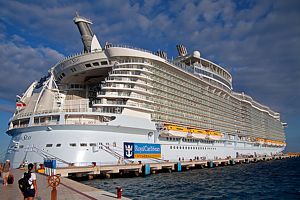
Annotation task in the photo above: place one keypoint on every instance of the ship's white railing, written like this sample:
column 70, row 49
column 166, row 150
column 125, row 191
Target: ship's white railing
column 45, row 112
column 131, row 67
column 135, row 96
column 131, row 47
column 255, row 103
column 20, row 126
column 190, row 70
column 45, row 123
column 128, row 80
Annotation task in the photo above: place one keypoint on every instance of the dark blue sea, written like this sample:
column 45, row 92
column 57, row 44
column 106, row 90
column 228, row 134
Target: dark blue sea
column 277, row 179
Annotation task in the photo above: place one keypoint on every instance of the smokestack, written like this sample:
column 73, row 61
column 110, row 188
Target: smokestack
column 181, row 50
column 89, row 40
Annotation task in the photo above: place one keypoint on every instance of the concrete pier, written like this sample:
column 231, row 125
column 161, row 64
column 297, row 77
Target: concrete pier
column 67, row 190
column 161, row 166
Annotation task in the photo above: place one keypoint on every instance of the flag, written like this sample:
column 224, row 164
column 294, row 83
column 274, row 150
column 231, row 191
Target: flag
column 20, row 104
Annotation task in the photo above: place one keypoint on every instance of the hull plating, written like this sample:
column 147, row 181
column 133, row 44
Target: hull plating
column 83, row 145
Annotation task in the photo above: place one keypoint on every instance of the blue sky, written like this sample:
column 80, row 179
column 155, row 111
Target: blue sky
column 257, row 41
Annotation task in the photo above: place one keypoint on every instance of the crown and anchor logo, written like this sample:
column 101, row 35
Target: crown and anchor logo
column 128, row 150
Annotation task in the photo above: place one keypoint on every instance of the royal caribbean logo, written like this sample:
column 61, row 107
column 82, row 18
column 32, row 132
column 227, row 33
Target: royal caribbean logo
column 128, row 150
column 141, row 150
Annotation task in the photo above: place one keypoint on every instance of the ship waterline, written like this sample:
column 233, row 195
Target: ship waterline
column 91, row 105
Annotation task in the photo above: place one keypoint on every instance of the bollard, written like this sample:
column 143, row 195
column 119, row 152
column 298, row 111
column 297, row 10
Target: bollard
column 54, row 194
column 146, row 169
column 119, row 192
column 210, row 164
column 232, row 162
column 107, row 175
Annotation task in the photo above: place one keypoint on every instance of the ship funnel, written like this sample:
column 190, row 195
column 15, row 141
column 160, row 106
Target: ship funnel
column 162, row 54
column 89, row 39
column 181, row 50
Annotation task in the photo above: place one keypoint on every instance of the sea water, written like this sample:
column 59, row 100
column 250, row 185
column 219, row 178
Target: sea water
column 276, row 179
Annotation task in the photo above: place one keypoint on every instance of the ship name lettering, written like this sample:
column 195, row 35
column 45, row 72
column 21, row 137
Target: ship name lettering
column 26, row 137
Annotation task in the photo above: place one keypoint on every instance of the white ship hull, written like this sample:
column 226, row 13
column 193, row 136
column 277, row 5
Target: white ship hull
column 32, row 142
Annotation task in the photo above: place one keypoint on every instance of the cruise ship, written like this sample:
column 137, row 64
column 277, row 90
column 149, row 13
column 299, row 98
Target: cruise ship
column 115, row 104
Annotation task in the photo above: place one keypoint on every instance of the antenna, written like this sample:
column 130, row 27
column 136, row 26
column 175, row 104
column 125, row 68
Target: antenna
column 181, row 50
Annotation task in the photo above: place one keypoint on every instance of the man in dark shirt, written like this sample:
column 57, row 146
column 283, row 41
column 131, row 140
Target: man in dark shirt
column 32, row 191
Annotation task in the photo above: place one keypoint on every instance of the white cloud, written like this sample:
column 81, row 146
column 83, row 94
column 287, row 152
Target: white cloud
column 21, row 65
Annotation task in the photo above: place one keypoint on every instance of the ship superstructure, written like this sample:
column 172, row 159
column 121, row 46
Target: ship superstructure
column 91, row 105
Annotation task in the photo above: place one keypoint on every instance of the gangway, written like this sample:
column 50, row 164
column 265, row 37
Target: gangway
column 114, row 153
column 46, row 155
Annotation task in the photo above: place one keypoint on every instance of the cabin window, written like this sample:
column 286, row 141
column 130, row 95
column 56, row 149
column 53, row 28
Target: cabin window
column 58, row 145
column 73, row 144
column 73, row 69
column 96, row 64
column 88, row 65
column 104, row 63
column 92, row 144
column 21, row 146
column 83, row 144
column 49, row 145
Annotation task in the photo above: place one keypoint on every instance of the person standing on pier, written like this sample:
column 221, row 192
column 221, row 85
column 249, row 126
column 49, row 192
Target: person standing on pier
column 1, row 166
column 32, row 191
column 5, row 172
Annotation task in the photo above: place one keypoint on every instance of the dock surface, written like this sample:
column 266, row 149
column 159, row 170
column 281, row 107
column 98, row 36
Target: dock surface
column 67, row 190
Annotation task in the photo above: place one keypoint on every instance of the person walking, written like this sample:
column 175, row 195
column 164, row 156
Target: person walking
column 1, row 167
column 5, row 172
column 30, row 193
